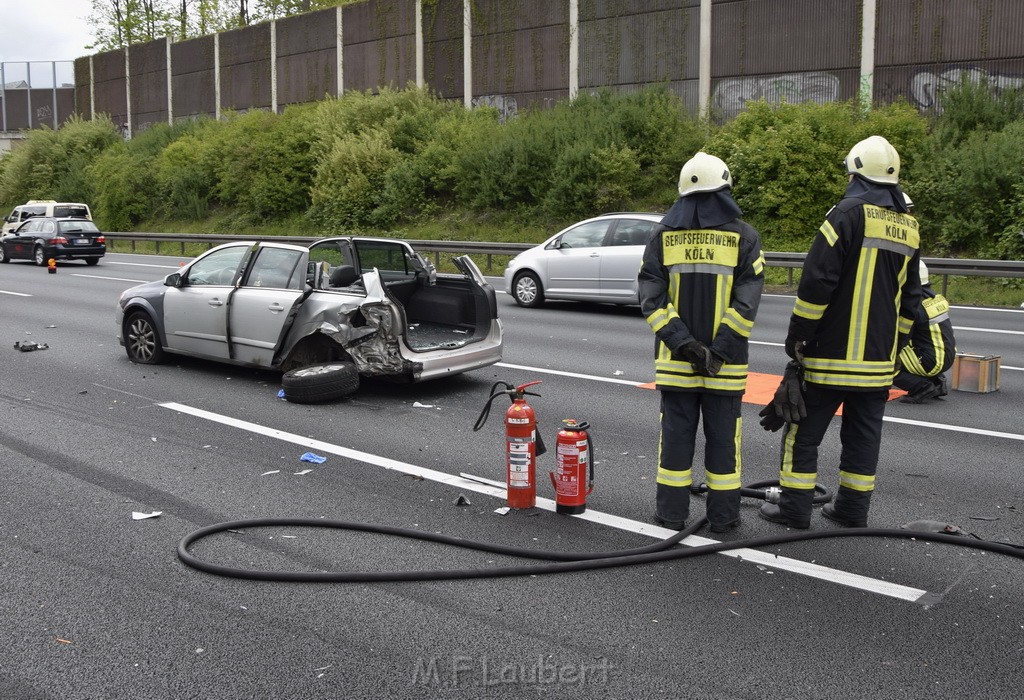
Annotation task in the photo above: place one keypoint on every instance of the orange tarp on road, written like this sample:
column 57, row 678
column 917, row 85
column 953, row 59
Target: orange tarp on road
column 761, row 388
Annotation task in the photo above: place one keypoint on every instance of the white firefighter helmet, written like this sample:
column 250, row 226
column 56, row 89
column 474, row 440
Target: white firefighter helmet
column 924, row 273
column 876, row 160
column 703, row 173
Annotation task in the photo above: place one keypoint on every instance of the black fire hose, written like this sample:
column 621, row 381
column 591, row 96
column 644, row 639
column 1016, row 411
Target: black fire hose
column 564, row 561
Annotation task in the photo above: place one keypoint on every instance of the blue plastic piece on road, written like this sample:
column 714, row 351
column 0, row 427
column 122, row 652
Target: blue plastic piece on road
column 280, row 393
column 314, row 458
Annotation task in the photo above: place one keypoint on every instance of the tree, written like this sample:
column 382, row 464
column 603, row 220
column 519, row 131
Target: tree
column 120, row 23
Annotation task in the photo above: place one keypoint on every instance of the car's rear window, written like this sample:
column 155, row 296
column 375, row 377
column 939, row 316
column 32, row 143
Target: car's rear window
column 77, row 227
column 71, row 210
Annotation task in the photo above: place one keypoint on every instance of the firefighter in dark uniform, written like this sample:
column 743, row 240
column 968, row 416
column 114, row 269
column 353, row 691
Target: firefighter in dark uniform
column 931, row 349
column 700, row 285
column 856, row 303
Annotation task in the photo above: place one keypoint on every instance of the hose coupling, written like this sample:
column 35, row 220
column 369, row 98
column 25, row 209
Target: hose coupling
column 773, row 494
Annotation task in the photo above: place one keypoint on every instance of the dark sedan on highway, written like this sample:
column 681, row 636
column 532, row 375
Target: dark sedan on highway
column 44, row 237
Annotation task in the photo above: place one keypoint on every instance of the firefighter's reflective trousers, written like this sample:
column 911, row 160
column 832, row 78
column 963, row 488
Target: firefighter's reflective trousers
column 860, row 434
column 681, row 411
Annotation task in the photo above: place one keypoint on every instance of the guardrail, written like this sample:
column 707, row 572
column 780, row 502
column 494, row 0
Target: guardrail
column 943, row 267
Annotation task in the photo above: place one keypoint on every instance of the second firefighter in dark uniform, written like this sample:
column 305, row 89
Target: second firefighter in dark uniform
column 700, row 285
column 931, row 350
column 858, row 297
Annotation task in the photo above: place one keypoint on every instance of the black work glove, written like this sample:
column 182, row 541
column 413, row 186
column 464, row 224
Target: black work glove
column 703, row 360
column 789, row 397
column 795, row 348
column 769, row 419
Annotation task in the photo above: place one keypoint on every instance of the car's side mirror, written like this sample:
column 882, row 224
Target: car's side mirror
column 173, row 280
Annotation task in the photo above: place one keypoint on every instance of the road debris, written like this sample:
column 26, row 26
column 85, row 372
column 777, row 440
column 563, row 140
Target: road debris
column 29, row 345
column 312, row 457
column 136, row 515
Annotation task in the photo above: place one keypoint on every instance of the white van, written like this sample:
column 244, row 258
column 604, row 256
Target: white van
column 44, row 207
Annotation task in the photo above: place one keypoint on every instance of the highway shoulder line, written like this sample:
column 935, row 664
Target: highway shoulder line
column 497, row 490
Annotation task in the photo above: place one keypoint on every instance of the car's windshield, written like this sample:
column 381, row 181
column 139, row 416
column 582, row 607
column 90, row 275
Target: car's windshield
column 77, row 227
column 71, row 210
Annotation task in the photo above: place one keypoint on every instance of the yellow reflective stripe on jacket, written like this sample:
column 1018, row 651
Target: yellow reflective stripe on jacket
column 660, row 317
column 882, row 381
column 858, row 334
column 829, row 233
column 857, row 482
column 739, row 324
column 669, row 477
column 904, row 325
column 676, row 374
column 759, row 264
column 807, row 310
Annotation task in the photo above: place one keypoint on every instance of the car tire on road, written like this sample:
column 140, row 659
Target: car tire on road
column 141, row 340
column 3, row 255
column 527, row 290
column 39, row 256
column 92, row 261
column 320, row 383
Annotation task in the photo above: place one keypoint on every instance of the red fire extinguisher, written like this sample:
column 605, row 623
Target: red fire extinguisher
column 522, row 444
column 575, row 457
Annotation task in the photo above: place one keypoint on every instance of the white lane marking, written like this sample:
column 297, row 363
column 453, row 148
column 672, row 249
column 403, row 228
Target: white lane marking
column 131, row 264
column 15, row 294
column 116, row 279
column 475, row 484
column 965, row 308
column 987, row 330
column 560, row 373
column 955, row 428
column 627, row 382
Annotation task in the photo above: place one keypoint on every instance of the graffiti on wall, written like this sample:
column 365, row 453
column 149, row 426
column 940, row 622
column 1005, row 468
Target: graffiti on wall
column 507, row 106
column 730, row 96
column 926, row 87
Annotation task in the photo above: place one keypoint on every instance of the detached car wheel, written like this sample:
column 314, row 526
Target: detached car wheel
column 141, row 340
column 527, row 290
column 320, row 383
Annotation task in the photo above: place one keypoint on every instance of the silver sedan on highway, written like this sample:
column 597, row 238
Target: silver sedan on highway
column 593, row 260
column 325, row 315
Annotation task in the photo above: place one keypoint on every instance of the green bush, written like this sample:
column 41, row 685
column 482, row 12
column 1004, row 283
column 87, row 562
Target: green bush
column 787, row 160
column 263, row 165
column 968, row 197
column 350, row 180
column 125, row 189
column 51, row 164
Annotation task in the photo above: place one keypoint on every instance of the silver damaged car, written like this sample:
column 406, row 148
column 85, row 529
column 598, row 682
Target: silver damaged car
column 325, row 315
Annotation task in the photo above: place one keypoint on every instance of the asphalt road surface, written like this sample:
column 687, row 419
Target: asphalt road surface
column 96, row 604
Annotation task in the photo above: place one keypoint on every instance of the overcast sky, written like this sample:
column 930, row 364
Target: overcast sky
column 44, row 30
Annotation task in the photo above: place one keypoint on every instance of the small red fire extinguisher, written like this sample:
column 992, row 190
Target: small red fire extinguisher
column 522, row 444
column 575, row 457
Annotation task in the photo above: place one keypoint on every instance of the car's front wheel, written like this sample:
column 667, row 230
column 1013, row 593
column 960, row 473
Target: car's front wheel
column 527, row 290
column 141, row 339
column 320, row 383
column 39, row 256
